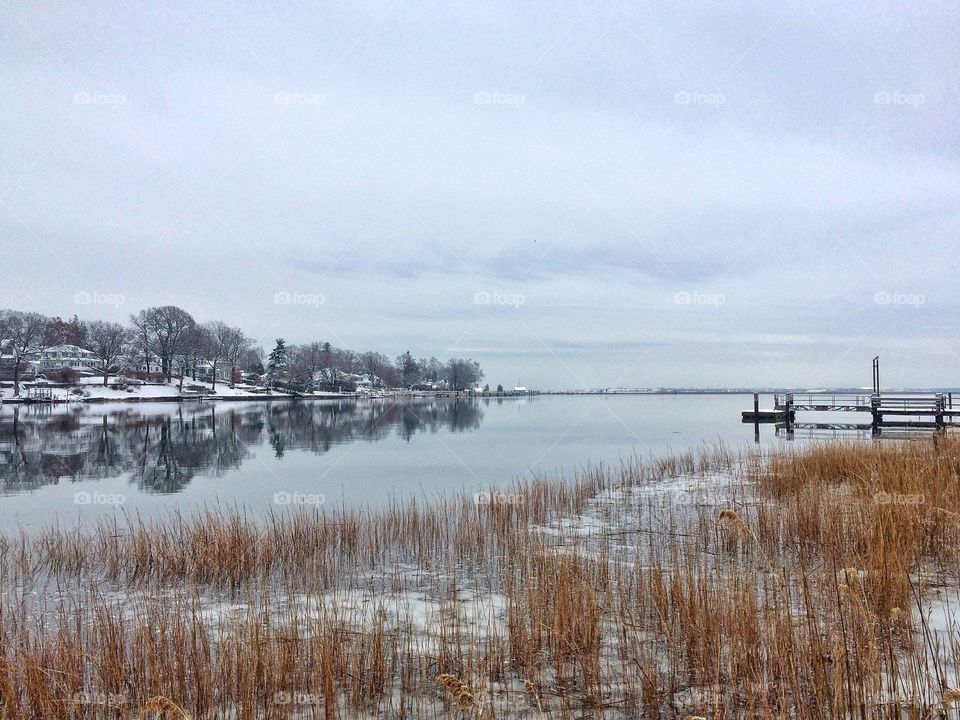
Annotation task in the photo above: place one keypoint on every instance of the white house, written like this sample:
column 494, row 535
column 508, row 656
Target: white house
column 205, row 371
column 59, row 357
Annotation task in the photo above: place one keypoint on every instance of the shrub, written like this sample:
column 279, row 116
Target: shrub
column 66, row 375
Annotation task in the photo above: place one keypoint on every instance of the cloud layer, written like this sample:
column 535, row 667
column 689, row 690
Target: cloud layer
column 576, row 195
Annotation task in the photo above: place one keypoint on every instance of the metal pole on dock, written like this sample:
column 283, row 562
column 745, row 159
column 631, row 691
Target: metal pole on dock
column 756, row 415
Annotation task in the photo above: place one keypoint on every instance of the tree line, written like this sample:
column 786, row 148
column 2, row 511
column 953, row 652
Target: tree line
column 320, row 366
column 170, row 339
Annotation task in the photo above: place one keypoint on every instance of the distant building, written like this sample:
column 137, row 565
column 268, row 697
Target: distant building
column 206, row 374
column 59, row 357
column 130, row 362
column 8, row 362
column 520, row 390
column 153, row 368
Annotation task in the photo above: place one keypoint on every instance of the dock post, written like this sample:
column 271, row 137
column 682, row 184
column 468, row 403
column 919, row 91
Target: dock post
column 788, row 406
column 876, row 417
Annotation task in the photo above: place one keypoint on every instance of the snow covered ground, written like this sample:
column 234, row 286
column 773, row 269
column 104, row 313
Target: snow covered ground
column 93, row 390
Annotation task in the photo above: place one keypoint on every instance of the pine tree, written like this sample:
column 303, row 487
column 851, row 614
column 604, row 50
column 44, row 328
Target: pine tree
column 277, row 362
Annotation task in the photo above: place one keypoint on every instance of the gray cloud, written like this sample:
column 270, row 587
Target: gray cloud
column 799, row 161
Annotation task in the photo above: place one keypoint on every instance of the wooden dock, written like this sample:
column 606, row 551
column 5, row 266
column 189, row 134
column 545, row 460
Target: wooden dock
column 886, row 410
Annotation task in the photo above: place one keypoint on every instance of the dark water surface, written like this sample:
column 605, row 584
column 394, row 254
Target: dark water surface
column 70, row 463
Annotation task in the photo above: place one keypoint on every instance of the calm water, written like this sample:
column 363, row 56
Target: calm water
column 70, row 464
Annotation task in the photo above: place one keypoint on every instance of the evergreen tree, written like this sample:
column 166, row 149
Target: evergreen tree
column 277, row 362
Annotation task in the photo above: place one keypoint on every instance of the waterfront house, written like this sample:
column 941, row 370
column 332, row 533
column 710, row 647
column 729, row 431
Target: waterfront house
column 60, row 357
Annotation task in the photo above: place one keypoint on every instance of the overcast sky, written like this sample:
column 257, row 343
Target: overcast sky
column 575, row 195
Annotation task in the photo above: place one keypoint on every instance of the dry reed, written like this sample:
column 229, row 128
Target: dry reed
column 634, row 592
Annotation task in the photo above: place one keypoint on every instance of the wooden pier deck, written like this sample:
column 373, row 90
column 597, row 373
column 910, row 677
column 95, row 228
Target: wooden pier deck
column 886, row 410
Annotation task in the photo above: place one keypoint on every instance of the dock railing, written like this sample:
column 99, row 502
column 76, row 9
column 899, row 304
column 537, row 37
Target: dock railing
column 827, row 402
column 907, row 404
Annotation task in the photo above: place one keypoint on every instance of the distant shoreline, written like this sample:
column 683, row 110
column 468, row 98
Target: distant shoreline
column 448, row 395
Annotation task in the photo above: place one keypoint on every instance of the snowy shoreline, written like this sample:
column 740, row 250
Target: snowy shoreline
column 93, row 391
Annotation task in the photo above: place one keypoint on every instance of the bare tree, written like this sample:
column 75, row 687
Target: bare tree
column 236, row 345
column 431, row 370
column 24, row 334
column 107, row 340
column 141, row 339
column 306, row 362
column 198, row 343
column 463, row 374
column 164, row 330
column 220, row 336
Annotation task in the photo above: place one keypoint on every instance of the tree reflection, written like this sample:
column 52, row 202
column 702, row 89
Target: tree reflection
column 163, row 451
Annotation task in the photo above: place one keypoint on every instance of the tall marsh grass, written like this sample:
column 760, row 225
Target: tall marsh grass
column 814, row 582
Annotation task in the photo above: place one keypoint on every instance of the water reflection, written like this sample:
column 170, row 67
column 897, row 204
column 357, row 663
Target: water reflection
column 161, row 451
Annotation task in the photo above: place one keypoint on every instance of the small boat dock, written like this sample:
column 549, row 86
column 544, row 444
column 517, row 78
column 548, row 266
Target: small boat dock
column 887, row 410
column 932, row 410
